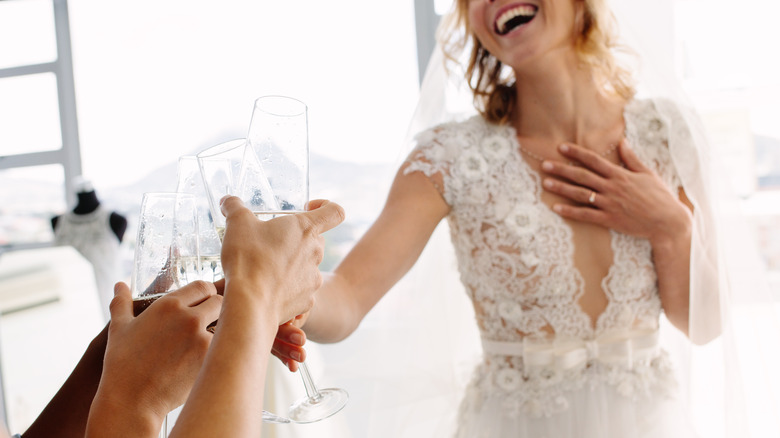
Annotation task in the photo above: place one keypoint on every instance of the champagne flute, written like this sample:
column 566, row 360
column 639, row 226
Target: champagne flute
column 189, row 180
column 230, row 168
column 278, row 135
column 166, row 251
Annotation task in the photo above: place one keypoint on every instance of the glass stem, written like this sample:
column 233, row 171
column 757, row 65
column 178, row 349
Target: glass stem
column 308, row 383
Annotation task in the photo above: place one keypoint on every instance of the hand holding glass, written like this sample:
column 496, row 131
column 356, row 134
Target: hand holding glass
column 278, row 136
column 166, row 251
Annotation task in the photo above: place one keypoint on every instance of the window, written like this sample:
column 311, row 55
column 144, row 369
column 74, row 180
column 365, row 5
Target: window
column 38, row 128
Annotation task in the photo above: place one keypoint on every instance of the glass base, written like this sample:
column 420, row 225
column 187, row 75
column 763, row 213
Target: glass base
column 311, row 409
column 269, row 417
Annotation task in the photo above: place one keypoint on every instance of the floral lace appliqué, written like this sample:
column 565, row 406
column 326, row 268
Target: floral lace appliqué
column 515, row 258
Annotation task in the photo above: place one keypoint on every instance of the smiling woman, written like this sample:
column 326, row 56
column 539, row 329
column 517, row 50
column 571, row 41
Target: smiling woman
column 513, row 17
column 581, row 292
column 162, row 79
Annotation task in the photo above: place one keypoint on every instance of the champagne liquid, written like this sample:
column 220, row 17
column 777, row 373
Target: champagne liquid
column 191, row 268
column 210, row 261
column 268, row 215
column 211, row 267
column 187, row 270
column 141, row 303
column 221, row 233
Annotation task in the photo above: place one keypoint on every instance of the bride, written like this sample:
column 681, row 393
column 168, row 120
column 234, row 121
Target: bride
column 568, row 206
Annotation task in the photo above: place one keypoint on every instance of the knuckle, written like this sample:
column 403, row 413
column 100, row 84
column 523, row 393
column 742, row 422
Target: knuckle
column 202, row 342
column 203, row 287
column 115, row 303
column 339, row 213
column 190, row 321
column 308, row 304
column 169, row 305
column 319, row 254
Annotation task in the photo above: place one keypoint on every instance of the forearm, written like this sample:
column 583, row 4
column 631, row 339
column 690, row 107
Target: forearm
column 110, row 418
column 335, row 314
column 381, row 258
column 66, row 414
column 229, row 388
column 672, row 258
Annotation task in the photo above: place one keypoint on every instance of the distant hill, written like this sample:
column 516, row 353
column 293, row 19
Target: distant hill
column 361, row 189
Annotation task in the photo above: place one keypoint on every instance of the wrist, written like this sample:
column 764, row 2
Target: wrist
column 675, row 234
column 252, row 299
column 114, row 416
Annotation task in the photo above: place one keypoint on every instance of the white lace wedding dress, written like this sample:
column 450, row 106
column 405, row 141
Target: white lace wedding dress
column 549, row 369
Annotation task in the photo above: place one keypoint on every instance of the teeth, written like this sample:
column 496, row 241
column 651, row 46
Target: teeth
column 522, row 10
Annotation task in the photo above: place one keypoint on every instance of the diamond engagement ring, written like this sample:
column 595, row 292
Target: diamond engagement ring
column 592, row 198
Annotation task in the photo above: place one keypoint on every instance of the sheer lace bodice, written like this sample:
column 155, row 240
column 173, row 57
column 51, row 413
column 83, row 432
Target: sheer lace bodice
column 516, row 261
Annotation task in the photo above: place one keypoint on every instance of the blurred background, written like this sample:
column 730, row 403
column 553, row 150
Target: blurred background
column 116, row 92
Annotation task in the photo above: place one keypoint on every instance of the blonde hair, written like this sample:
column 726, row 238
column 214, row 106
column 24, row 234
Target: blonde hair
column 493, row 84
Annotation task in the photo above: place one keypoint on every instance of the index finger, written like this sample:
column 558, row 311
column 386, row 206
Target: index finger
column 325, row 215
column 193, row 293
column 121, row 306
column 595, row 162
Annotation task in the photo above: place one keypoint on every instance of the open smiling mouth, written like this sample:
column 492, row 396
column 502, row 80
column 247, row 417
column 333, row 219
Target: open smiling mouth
column 514, row 17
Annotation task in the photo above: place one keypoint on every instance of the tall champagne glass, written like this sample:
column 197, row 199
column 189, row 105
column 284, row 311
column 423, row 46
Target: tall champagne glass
column 231, row 168
column 278, row 135
column 189, row 180
column 166, row 251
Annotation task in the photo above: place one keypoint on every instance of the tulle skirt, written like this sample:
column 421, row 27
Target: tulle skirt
column 594, row 411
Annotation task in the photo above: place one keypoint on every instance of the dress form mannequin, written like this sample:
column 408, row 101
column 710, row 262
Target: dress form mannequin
column 96, row 233
column 89, row 202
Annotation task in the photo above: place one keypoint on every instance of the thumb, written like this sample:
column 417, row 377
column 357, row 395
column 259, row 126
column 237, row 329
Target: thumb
column 121, row 306
column 633, row 163
column 324, row 215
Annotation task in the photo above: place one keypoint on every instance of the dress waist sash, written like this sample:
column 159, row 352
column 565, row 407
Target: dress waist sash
column 563, row 355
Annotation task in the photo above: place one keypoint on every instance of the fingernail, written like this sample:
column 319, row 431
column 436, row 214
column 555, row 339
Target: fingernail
column 557, row 208
column 548, row 183
column 564, row 148
column 116, row 288
column 546, row 165
column 297, row 339
column 295, row 355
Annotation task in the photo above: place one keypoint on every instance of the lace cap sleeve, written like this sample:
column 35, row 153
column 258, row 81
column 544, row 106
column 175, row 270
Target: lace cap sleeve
column 433, row 155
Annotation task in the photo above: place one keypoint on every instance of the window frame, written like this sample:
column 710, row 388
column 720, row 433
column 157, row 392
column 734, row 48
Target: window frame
column 69, row 154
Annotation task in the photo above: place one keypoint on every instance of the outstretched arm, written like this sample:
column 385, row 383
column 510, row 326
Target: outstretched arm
column 383, row 255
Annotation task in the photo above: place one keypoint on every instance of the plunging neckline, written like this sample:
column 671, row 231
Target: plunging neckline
column 596, row 325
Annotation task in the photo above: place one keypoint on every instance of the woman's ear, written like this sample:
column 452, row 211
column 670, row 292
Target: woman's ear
column 582, row 18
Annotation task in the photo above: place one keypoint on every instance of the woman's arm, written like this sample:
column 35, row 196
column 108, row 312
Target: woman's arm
column 672, row 259
column 387, row 251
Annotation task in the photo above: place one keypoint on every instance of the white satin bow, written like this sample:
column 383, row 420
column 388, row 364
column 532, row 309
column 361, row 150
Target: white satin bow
column 610, row 348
